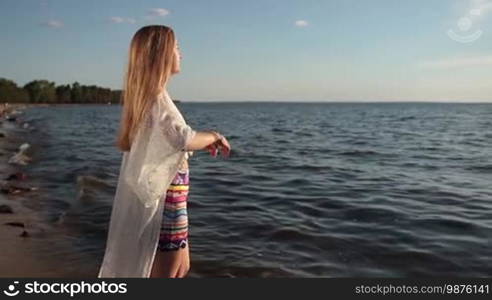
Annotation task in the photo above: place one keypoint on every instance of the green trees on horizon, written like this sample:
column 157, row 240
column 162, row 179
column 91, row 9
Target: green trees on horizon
column 10, row 92
column 44, row 91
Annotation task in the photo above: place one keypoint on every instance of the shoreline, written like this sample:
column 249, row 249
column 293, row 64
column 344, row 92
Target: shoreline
column 19, row 229
column 21, row 106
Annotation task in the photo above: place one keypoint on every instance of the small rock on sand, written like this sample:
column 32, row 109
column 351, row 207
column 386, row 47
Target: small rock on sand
column 5, row 209
column 12, row 189
column 16, row 224
column 17, row 176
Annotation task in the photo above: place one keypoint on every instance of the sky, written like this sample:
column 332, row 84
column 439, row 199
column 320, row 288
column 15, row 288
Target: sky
column 263, row 50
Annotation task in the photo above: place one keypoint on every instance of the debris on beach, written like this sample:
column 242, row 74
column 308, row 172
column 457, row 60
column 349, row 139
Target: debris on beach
column 7, row 188
column 20, row 158
column 16, row 189
column 10, row 183
column 6, row 209
column 17, row 176
column 15, row 224
column 8, row 111
column 24, row 147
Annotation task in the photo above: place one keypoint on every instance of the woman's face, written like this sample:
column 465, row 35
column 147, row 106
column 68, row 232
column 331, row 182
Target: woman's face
column 177, row 59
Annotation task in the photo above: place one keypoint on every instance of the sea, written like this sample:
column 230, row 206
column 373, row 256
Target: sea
column 309, row 190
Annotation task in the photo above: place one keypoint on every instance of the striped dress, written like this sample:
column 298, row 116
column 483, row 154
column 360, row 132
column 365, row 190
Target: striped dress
column 174, row 227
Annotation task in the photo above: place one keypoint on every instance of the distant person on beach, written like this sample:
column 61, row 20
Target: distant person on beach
column 148, row 230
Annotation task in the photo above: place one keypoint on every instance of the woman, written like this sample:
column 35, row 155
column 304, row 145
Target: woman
column 148, row 229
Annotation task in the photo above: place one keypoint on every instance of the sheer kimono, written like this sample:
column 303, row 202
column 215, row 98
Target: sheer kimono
column 145, row 174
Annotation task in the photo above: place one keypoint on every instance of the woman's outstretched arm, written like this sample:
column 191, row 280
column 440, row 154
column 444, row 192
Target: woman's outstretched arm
column 183, row 137
column 202, row 139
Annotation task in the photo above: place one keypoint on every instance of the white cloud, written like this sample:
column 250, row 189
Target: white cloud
column 458, row 62
column 158, row 12
column 482, row 6
column 478, row 9
column 301, row 23
column 118, row 20
column 52, row 23
column 151, row 14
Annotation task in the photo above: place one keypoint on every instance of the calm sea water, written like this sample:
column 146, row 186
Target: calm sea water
column 330, row 190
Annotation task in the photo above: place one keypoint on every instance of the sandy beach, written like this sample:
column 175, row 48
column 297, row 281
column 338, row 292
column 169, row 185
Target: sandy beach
column 19, row 231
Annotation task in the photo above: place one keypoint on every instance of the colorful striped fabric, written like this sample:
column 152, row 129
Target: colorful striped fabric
column 174, row 227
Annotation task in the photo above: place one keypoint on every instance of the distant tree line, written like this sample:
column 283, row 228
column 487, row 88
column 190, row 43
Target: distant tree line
column 44, row 91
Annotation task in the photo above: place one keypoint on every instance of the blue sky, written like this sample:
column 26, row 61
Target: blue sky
column 291, row 50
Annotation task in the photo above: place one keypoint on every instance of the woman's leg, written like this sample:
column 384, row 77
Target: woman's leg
column 173, row 249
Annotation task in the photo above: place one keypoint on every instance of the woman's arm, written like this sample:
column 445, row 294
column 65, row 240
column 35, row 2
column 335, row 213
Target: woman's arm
column 183, row 137
column 202, row 139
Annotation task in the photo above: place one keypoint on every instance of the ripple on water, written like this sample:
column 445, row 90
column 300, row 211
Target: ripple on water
column 312, row 190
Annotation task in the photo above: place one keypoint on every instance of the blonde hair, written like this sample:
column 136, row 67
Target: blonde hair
column 151, row 60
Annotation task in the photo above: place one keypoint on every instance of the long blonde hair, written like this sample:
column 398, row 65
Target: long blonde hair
column 150, row 62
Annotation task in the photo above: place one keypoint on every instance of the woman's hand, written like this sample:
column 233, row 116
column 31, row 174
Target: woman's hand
column 221, row 144
column 224, row 146
column 172, row 264
column 212, row 148
column 211, row 141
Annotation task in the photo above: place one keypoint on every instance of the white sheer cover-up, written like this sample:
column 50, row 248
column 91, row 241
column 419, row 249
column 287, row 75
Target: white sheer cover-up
column 146, row 172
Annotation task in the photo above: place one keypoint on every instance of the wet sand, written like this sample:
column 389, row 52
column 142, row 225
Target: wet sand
column 17, row 259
